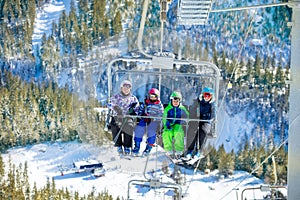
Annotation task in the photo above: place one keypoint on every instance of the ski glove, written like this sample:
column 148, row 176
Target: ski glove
column 131, row 111
column 169, row 125
column 177, row 122
column 147, row 120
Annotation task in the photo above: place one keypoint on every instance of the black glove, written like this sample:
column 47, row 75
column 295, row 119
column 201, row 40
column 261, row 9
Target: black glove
column 132, row 105
column 131, row 111
column 177, row 122
column 147, row 120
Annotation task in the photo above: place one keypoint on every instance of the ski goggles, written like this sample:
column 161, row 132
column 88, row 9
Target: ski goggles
column 206, row 95
column 152, row 96
column 176, row 99
column 128, row 86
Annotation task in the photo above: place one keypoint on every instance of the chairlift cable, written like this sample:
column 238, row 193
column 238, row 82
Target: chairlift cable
column 231, row 77
column 265, row 160
column 234, row 69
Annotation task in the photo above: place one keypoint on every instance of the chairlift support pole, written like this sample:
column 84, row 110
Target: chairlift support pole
column 141, row 29
column 294, row 109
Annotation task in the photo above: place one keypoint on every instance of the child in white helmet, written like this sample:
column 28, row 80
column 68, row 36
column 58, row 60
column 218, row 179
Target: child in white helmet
column 123, row 103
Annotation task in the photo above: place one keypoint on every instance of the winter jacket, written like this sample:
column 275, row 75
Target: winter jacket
column 173, row 127
column 120, row 104
column 174, row 112
column 153, row 109
column 206, row 110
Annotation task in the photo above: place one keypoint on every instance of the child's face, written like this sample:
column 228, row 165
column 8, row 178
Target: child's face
column 152, row 97
column 207, row 96
column 126, row 89
column 175, row 102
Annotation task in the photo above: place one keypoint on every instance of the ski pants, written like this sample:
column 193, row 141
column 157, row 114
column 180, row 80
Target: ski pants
column 194, row 134
column 142, row 127
column 122, row 137
column 176, row 133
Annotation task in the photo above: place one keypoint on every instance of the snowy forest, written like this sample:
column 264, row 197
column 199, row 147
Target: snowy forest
column 37, row 107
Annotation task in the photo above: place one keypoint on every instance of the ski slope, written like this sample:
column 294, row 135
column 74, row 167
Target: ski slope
column 45, row 161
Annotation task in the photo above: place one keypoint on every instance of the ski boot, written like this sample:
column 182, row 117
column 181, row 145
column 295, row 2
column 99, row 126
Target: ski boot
column 189, row 155
column 120, row 150
column 147, row 150
column 136, row 149
column 127, row 150
column 178, row 155
column 197, row 155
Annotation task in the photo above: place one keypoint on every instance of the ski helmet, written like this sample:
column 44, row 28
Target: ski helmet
column 154, row 91
column 126, row 83
column 175, row 95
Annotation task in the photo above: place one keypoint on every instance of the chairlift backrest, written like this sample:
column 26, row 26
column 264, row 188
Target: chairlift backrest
column 166, row 74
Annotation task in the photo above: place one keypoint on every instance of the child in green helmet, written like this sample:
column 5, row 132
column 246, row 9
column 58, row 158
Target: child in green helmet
column 173, row 133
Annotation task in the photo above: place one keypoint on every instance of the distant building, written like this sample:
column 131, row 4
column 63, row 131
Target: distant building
column 89, row 165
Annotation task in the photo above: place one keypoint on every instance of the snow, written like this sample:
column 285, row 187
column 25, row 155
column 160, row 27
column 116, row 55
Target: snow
column 231, row 132
column 45, row 17
column 45, row 161
column 257, row 42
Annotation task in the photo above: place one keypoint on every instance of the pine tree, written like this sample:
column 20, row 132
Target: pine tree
column 260, row 156
column 282, row 163
column 226, row 161
column 117, row 23
column 279, row 77
column 257, row 67
column 2, row 169
column 187, row 51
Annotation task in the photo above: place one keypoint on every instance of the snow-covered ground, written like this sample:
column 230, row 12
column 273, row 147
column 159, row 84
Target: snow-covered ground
column 45, row 18
column 45, row 161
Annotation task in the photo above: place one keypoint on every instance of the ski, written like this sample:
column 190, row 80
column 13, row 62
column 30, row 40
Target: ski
column 184, row 162
column 175, row 161
column 139, row 155
column 126, row 157
column 194, row 160
column 123, row 156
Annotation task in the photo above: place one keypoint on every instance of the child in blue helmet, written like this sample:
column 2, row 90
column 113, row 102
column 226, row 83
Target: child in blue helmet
column 173, row 133
column 151, row 107
column 205, row 111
